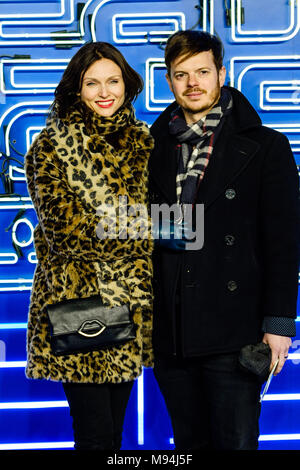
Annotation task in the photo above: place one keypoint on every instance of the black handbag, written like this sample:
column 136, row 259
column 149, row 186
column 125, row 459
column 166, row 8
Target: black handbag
column 82, row 325
column 256, row 358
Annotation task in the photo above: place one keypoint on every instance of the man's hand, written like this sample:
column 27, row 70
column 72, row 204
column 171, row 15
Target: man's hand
column 280, row 347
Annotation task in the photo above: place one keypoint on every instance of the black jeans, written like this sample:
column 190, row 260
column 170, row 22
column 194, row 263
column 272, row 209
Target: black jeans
column 211, row 402
column 98, row 412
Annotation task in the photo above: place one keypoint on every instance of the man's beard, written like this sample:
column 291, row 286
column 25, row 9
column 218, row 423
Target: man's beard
column 214, row 98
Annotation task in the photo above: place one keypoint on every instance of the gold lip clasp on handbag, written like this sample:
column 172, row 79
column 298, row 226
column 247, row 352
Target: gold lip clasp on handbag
column 90, row 325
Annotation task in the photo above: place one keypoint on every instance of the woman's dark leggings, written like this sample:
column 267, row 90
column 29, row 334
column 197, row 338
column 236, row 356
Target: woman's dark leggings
column 98, row 412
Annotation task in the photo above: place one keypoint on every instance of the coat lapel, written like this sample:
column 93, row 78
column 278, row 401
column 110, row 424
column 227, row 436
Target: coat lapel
column 232, row 154
column 163, row 167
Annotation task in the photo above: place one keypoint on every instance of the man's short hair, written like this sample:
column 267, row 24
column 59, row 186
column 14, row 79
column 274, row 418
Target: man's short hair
column 189, row 42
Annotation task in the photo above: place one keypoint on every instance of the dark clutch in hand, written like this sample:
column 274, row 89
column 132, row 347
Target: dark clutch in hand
column 256, row 358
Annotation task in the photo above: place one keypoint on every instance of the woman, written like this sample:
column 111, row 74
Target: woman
column 91, row 153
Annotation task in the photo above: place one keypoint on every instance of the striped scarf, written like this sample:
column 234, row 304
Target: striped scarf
column 195, row 146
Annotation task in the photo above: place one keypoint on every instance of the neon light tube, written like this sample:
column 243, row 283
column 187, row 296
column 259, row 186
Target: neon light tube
column 34, row 405
column 277, row 35
column 37, row 445
column 12, row 364
column 281, row 396
column 279, row 437
column 13, row 326
column 140, row 408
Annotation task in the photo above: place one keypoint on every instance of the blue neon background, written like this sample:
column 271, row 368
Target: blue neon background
column 54, row 424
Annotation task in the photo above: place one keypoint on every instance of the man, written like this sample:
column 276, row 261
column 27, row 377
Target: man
column 241, row 287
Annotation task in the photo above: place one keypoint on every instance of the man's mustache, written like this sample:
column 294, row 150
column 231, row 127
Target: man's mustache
column 193, row 90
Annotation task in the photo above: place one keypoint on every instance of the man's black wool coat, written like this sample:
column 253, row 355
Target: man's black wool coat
column 248, row 266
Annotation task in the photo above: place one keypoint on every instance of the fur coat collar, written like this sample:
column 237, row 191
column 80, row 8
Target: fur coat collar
column 104, row 158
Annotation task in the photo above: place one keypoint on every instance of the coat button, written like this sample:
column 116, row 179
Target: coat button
column 229, row 240
column 232, row 286
column 230, row 193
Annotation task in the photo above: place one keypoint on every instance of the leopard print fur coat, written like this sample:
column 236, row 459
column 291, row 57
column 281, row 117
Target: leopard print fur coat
column 72, row 168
